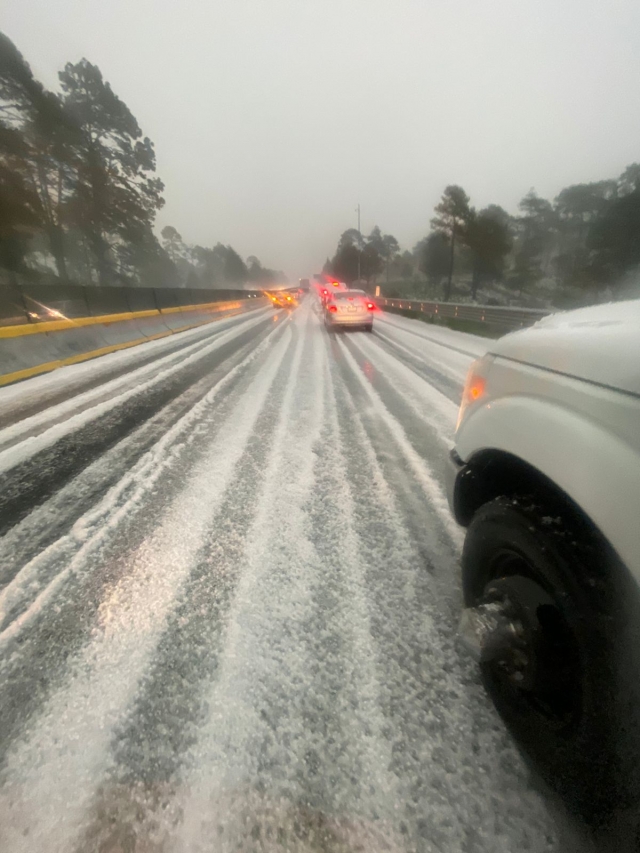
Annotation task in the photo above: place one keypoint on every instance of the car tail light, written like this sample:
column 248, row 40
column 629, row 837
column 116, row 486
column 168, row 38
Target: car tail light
column 333, row 308
column 370, row 306
column 476, row 385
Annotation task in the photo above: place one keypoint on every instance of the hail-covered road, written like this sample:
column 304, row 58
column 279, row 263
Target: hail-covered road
column 228, row 603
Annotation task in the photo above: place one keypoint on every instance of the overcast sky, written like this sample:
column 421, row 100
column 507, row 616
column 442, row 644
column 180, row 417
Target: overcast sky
column 272, row 119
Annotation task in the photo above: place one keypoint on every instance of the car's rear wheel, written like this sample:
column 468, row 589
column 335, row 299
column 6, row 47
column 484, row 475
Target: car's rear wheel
column 552, row 667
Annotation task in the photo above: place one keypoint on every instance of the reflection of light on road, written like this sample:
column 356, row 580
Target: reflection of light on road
column 275, row 318
column 368, row 370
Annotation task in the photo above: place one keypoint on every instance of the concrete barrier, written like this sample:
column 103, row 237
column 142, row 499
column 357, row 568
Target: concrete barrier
column 144, row 305
column 112, row 302
column 191, row 315
column 46, row 302
column 12, row 310
column 65, row 324
column 170, row 303
column 73, row 342
column 19, row 355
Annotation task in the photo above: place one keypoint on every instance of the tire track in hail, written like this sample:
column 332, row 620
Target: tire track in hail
column 45, row 524
column 18, row 406
column 461, row 783
column 36, row 660
column 252, row 758
column 422, row 365
column 35, row 478
column 150, row 746
column 395, row 381
column 417, row 464
column 50, row 777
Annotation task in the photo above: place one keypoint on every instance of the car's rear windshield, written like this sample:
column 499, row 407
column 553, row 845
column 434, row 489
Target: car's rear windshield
column 348, row 294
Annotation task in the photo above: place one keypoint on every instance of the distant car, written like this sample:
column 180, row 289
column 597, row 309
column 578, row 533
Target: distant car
column 545, row 476
column 283, row 300
column 349, row 309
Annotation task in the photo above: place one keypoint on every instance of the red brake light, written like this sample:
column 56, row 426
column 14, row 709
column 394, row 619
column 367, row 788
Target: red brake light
column 333, row 308
column 370, row 306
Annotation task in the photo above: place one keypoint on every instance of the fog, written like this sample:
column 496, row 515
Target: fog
column 273, row 120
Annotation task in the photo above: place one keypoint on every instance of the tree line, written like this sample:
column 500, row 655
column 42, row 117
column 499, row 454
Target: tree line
column 359, row 257
column 587, row 240
column 79, row 191
column 196, row 264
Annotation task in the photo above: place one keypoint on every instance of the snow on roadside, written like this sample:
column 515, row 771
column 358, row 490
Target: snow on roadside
column 467, row 344
column 449, row 362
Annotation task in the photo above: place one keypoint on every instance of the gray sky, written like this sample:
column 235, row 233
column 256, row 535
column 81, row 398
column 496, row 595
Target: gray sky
column 272, row 119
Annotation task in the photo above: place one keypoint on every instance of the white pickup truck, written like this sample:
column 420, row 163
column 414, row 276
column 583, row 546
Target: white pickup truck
column 545, row 475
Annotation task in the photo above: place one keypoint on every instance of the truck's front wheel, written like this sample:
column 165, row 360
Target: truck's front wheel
column 550, row 666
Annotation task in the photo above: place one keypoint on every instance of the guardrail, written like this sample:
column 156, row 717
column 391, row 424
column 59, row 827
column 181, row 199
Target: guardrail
column 498, row 317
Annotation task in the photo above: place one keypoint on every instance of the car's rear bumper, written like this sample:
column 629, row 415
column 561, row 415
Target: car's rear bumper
column 350, row 320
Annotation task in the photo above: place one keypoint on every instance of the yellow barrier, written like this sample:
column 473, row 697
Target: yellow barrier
column 79, row 322
column 230, row 309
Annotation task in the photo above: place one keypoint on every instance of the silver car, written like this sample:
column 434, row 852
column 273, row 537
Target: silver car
column 349, row 309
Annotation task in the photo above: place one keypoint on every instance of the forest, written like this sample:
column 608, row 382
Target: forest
column 582, row 247
column 79, row 191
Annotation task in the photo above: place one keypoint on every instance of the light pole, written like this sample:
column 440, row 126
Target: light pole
column 359, row 241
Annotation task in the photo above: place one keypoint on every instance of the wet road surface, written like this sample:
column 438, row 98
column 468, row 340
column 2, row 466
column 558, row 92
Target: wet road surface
column 228, row 605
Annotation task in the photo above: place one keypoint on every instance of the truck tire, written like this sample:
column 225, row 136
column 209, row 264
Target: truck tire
column 556, row 682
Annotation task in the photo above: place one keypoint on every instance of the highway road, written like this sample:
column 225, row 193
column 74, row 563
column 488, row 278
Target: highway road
column 228, row 603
